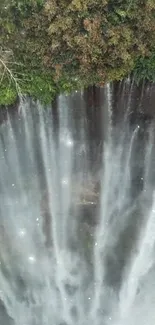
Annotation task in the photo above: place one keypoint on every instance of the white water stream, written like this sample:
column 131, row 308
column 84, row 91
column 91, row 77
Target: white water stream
column 76, row 246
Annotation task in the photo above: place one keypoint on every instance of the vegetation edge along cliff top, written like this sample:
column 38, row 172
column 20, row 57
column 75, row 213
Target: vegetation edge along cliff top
column 53, row 46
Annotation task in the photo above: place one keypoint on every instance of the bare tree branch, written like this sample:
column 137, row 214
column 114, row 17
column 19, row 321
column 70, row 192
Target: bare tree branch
column 10, row 73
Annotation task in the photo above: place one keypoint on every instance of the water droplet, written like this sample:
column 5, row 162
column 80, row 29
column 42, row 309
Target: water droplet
column 13, row 185
column 64, row 181
column 96, row 244
column 89, row 298
column 22, row 232
column 69, row 143
column 32, row 259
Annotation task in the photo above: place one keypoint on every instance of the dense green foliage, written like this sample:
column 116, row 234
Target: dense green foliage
column 49, row 46
column 145, row 68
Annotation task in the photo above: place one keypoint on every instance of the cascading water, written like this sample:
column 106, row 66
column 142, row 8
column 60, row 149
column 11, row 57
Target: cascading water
column 77, row 216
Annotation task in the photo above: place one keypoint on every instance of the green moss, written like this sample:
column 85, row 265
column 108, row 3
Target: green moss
column 7, row 96
column 8, row 93
column 39, row 86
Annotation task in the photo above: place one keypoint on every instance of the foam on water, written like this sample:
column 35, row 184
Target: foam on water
column 71, row 253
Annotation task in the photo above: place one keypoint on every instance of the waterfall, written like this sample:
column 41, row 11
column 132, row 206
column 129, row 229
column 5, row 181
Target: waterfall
column 77, row 211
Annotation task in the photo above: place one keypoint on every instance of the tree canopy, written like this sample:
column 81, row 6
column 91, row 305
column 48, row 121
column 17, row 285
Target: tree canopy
column 48, row 46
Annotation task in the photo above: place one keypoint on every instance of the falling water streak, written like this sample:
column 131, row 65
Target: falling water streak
column 140, row 265
column 125, row 85
column 141, row 96
column 100, row 239
column 117, row 175
column 45, row 149
column 129, row 101
column 15, row 184
column 12, row 212
column 65, row 151
column 127, row 175
column 104, row 228
column 10, row 133
column 127, row 110
column 66, row 163
column 148, row 158
column 108, row 91
column 27, row 122
column 54, row 209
